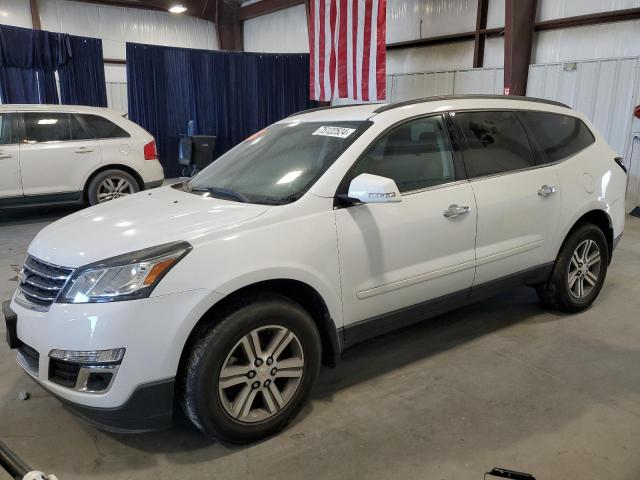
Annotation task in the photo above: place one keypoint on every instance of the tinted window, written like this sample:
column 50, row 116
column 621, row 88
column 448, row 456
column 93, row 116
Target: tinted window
column 7, row 129
column 47, row 127
column 100, row 127
column 558, row 136
column 78, row 132
column 415, row 155
column 496, row 143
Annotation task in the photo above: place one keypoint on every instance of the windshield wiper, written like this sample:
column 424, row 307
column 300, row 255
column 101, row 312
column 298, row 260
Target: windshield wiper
column 224, row 192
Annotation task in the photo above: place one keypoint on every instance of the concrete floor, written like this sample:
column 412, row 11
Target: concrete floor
column 502, row 383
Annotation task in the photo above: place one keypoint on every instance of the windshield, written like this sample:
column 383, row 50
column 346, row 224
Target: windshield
column 278, row 164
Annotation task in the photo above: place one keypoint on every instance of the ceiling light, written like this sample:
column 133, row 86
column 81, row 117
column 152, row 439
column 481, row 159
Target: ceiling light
column 178, row 9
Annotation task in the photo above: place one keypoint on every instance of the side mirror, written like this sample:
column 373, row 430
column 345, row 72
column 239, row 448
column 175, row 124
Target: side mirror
column 367, row 188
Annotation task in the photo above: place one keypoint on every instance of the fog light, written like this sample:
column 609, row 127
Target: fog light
column 92, row 357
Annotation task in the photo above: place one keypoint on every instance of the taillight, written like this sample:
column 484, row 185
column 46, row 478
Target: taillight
column 620, row 162
column 150, row 152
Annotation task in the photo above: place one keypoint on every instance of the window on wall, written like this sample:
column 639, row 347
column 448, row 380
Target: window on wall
column 7, row 129
column 415, row 155
column 558, row 136
column 496, row 143
column 53, row 127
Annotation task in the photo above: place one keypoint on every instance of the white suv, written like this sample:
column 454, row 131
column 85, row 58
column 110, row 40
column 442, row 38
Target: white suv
column 72, row 155
column 224, row 294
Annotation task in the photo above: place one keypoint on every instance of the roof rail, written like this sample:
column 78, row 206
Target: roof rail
column 330, row 107
column 391, row 106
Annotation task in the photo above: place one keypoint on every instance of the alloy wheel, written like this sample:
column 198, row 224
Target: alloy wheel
column 114, row 187
column 261, row 374
column 584, row 269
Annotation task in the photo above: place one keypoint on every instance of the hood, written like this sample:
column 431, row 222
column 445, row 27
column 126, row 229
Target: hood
column 139, row 221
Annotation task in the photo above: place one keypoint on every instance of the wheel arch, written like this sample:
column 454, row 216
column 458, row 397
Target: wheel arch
column 296, row 290
column 599, row 218
column 111, row 166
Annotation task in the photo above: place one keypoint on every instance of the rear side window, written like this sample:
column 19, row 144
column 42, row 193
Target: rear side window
column 102, row 128
column 53, row 127
column 7, row 128
column 496, row 143
column 416, row 155
column 558, row 136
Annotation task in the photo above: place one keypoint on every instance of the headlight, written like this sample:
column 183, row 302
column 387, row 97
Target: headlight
column 126, row 277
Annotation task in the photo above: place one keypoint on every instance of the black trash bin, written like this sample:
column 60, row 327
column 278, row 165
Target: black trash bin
column 203, row 152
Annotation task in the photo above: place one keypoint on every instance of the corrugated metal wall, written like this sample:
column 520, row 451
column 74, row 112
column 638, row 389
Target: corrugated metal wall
column 117, row 96
column 604, row 90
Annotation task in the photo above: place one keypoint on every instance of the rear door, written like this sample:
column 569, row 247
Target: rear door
column 57, row 154
column 10, row 182
column 518, row 199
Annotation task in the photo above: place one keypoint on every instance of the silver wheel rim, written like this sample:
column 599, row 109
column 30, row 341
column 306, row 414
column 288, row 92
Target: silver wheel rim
column 584, row 269
column 114, row 187
column 261, row 374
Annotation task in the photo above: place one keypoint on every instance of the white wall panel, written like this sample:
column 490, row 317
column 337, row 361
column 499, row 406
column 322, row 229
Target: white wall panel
column 552, row 9
column 488, row 81
column 282, row 31
column 15, row 12
column 117, row 96
column 118, row 25
column 620, row 39
column 412, row 19
column 495, row 14
column 604, row 90
column 494, row 52
column 440, row 57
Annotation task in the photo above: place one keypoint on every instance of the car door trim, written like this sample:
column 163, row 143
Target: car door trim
column 509, row 253
column 379, row 325
column 415, row 280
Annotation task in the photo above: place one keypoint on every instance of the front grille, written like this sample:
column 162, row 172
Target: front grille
column 40, row 282
column 30, row 358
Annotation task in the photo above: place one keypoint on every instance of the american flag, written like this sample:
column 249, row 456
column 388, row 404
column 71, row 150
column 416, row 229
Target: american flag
column 347, row 40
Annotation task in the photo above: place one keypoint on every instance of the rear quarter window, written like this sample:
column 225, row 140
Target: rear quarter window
column 557, row 136
column 103, row 128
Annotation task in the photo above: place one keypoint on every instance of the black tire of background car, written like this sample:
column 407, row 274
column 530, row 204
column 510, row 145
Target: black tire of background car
column 92, row 189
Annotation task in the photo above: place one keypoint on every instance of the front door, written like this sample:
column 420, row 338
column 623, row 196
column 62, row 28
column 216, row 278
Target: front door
column 398, row 255
column 518, row 199
column 56, row 154
column 10, row 182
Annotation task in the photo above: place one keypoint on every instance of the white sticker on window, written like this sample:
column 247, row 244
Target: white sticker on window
column 340, row 132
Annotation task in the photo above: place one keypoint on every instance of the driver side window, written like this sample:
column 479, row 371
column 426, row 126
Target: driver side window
column 416, row 155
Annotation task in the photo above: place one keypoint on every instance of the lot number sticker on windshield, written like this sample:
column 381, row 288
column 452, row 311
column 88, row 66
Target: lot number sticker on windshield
column 340, row 132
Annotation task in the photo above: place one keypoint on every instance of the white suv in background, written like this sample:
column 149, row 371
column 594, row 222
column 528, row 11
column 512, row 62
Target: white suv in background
column 72, row 154
column 225, row 293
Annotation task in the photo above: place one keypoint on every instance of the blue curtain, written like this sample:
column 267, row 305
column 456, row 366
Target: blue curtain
column 30, row 58
column 229, row 94
column 82, row 77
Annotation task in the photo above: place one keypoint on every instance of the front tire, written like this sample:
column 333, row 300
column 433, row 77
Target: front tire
column 246, row 377
column 579, row 271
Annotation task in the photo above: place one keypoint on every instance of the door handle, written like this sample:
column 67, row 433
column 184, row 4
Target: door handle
column 84, row 150
column 7, row 155
column 546, row 190
column 456, row 211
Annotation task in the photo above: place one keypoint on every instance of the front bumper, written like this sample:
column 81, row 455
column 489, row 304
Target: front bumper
column 153, row 331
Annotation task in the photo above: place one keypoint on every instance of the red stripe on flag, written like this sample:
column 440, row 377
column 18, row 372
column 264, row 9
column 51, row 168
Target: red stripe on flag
column 354, row 46
column 381, row 53
column 321, row 50
column 312, row 49
column 342, row 52
column 367, row 49
column 332, row 58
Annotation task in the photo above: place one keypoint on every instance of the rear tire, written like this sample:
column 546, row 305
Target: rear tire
column 246, row 377
column 579, row 271
column 111, row 184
